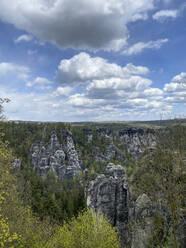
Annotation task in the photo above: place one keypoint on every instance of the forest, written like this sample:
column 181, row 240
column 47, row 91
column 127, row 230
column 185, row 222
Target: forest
column 43, row 211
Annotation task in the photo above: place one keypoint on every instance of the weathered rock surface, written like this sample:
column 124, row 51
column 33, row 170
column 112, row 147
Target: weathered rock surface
column 132, row 140
column 61, row 158
column 16, row 163
column 136, row 140
column 142, row 222
column 108, row 194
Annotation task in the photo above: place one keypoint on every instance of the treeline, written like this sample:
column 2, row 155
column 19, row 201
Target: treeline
column 22, row 135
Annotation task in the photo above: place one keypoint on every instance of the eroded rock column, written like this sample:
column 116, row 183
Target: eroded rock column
column 108, row 194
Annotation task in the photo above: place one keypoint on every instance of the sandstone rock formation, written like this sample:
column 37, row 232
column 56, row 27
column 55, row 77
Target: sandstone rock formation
column 142, row 223
column 108, row 194
column 16, row 163
column 133, row 141
column 55, row 156
column 136, row 140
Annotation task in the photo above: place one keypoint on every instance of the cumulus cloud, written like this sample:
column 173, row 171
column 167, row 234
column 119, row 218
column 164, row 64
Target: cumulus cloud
column 113, row 109
column 29, row 106
column 175, row 91
column 62, row 91
column 162, row 15
column 83, row 68
column 11, row 68
column 24, row 38
column 77, row 24
column 141, row 46
column 39, row 82
column 181, row 78
column 117, row 94
column 117, row 88
column 174, row 87
column 109, row 86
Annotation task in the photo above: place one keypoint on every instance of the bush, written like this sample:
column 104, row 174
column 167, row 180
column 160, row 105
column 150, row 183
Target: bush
column 88, row 230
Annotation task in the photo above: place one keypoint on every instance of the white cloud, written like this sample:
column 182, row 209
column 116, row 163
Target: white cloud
column 153, row 92
column 83, row 68
column 109, row 87
column 11, row 68
column 174, row 87
column 24, row 38
column 122, row 93
column 33, row 106
column 77, row 24
column 40, row 82
column 117, row 88
column 181, row 78
column 162, row 15
column 79, row 100
column 141, row 46
column 62, row 91
column 175, row 91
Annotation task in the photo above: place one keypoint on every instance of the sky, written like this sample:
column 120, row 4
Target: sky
column 92, row 60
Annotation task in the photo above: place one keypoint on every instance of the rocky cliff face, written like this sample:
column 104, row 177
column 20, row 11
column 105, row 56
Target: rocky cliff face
column 142, row 222
column 109, row 194
column 136, row 140
column 55, row 156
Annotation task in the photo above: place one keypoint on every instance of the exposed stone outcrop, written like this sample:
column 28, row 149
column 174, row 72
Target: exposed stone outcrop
column 108, row 194
column 129, row 140
column 136, row 140
column 142, row 222
column 16, row 163
column 61, row 158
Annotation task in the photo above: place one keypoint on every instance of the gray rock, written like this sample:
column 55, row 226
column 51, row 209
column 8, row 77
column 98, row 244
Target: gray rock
column 60, row 158
column 110, row 151
column 142, row 223
column 136, row 140
column 129, row 140
column 108, row 194
column 16, row 163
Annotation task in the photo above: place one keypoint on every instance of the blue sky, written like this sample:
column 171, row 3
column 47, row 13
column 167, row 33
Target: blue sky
column 77, row 60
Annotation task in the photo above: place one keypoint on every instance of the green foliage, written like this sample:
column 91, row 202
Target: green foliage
column 162, row 177
column 18, row 226
column 88, row 230
column 22, row 135
column 8, row 238
column 56, row 200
